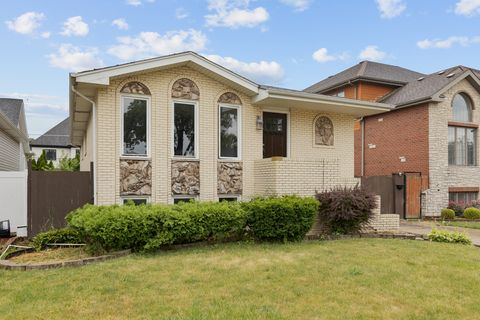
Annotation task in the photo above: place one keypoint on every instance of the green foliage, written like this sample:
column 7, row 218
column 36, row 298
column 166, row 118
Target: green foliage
column 65, row 235
column 447, row 214
column 345, row 210
column 449, row 237
column 471, row 213
column 457, row 207
column 286, row 218
column 41, row 164
column 70, row 164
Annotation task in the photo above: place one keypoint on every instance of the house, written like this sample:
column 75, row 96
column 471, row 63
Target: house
column 56, row 143
column 14, row 148
column 179, row 127
column 431, row 132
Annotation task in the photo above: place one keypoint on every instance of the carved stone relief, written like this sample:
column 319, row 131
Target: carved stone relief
column 135, row 177
column 185, row 89
column 229, row 176
column 229, row 97
column 324, row 131
column 186, row 177
column 135, row 87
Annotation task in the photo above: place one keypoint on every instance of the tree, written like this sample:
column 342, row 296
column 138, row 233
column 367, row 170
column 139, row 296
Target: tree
column 70, row 164
column 42, row 164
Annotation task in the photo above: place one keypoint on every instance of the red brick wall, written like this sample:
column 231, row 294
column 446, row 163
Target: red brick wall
column 372, row 91
column 401, row 133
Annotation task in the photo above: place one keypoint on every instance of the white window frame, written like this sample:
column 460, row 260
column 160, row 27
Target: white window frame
column 50, row 149
column 133, row 197
column 149, row 129
column 196, row 133
column 239, row 131
column 184, row 197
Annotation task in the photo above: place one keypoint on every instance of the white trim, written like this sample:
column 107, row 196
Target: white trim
column 287, row 112
column 196, row 133
column 133, row 197
column 149, row 129
column 239, row 131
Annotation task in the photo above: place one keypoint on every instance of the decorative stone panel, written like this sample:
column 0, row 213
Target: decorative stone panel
column 185, row 89
column 324, row 131
column 136, row 88
column 135, row 177
column 229, row 176
column 230, row 98
column 185, row 177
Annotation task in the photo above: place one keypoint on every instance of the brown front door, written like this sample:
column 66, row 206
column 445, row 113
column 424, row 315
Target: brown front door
column 274, row 134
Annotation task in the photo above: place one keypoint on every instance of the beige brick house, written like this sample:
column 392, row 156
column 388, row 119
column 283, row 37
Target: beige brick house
column 180, row 126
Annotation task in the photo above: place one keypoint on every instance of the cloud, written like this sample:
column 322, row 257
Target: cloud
column 45, row 35
column 262, row 71
column 372, row 53
column 75, row 59
column 181, row 13
column 447, row 43
column 137, row 3
column 148, row 44
column 467, row 7
column 234, row 14
column 120, row 23
column 26, row 23
column 299, row 5
column 322, row 56
column 75, row 26
column 390, row 8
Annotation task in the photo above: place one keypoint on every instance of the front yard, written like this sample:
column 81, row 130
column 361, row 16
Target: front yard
column 463, row 224
column 361, row 279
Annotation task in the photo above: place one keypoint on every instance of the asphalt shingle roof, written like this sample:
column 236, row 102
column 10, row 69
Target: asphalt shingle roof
column 367, row 70
column 58, row 136
column 11, row 108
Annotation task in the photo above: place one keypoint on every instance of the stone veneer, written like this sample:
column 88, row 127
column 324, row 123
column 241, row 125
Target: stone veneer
column 229, row 178
column 135, row 177
column 185, row 177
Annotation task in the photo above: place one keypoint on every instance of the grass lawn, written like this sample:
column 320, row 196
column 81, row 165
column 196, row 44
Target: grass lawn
column 348, row 279
column 463, row 224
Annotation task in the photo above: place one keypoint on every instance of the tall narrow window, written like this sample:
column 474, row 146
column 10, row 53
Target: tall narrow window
column 229, row 121
column 184, row 130
column 135, row 126
column 462, row 146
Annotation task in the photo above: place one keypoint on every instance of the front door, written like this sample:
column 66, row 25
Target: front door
column 274, row 134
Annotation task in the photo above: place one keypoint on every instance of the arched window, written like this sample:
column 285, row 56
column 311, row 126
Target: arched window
column 323, row 131
column 462, row 108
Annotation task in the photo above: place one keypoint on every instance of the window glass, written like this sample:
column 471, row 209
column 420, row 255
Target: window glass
column 461, row 108
column 178, row 200
column 228, row 132
column 462, row 145
column 184, row 130
column 451, row 145
column 465, row 198
column 136, row 202
column 471, row 134
column 134, row 126
column 51, row 154
column 227, row 199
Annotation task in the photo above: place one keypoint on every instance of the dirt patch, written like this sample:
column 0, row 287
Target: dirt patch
column 51, row 255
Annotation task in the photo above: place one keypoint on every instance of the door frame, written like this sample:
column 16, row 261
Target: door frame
column 284, row 111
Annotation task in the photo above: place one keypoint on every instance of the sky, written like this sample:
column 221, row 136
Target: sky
column 287, row 43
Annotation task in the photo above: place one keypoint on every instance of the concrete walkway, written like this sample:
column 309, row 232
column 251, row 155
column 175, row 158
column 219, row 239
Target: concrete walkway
column 424, row 227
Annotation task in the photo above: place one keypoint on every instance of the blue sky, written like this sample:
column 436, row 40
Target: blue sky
column 290, row 43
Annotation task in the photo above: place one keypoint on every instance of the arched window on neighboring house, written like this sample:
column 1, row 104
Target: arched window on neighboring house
column 462, row 139
column 324, row 131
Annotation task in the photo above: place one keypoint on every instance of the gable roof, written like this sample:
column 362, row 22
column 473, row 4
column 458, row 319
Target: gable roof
column 431, row 86
column 11, row 108
column 58, row 136
column 366, row 70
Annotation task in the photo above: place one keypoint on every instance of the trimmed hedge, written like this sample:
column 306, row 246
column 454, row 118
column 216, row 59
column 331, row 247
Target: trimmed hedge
column 447, row 214
column 286, row 218
column 149, row 227
column 449, row 237
column 471, row 213
column 65, row 235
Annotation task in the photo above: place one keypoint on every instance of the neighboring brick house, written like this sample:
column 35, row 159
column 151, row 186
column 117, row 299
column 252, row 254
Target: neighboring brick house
column 56, row 144
column 180, row 126
column 432, row 129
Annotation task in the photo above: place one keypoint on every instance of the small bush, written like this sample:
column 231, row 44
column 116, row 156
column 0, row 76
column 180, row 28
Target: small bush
column 65, row 235
column 457, row 207
column 447, row 214
column 449, row 237
column 346, row 210
column 286, row 218
column 471, row 213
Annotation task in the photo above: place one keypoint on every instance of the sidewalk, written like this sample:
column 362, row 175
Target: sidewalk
column 424, row 227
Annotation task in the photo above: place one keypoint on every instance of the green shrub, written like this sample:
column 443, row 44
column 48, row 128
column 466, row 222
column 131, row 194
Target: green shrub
column 457, row 207
column 346, row 210
column 65, row 235
column 447, row 214
column 286, row 218
column 449, row 237
column 471, row 213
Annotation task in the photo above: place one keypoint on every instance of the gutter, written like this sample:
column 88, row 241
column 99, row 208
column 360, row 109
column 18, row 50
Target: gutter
column 362, row 160
column 94, row 119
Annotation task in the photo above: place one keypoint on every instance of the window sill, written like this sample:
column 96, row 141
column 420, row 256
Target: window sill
column 462, row 166
column 146, row 158
column 462, row 124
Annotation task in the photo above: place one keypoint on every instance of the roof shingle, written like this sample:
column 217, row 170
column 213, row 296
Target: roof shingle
column 58, row 136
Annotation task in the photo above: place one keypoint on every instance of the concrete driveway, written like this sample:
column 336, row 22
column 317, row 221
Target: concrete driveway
column 424, row 227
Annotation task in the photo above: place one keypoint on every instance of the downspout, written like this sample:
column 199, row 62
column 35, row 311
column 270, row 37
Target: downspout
column 362, row 161
column 94, row 119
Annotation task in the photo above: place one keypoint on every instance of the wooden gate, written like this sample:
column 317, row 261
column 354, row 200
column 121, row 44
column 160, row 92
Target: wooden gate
column 413, row 190
column 382, row 186
column 52, row 195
